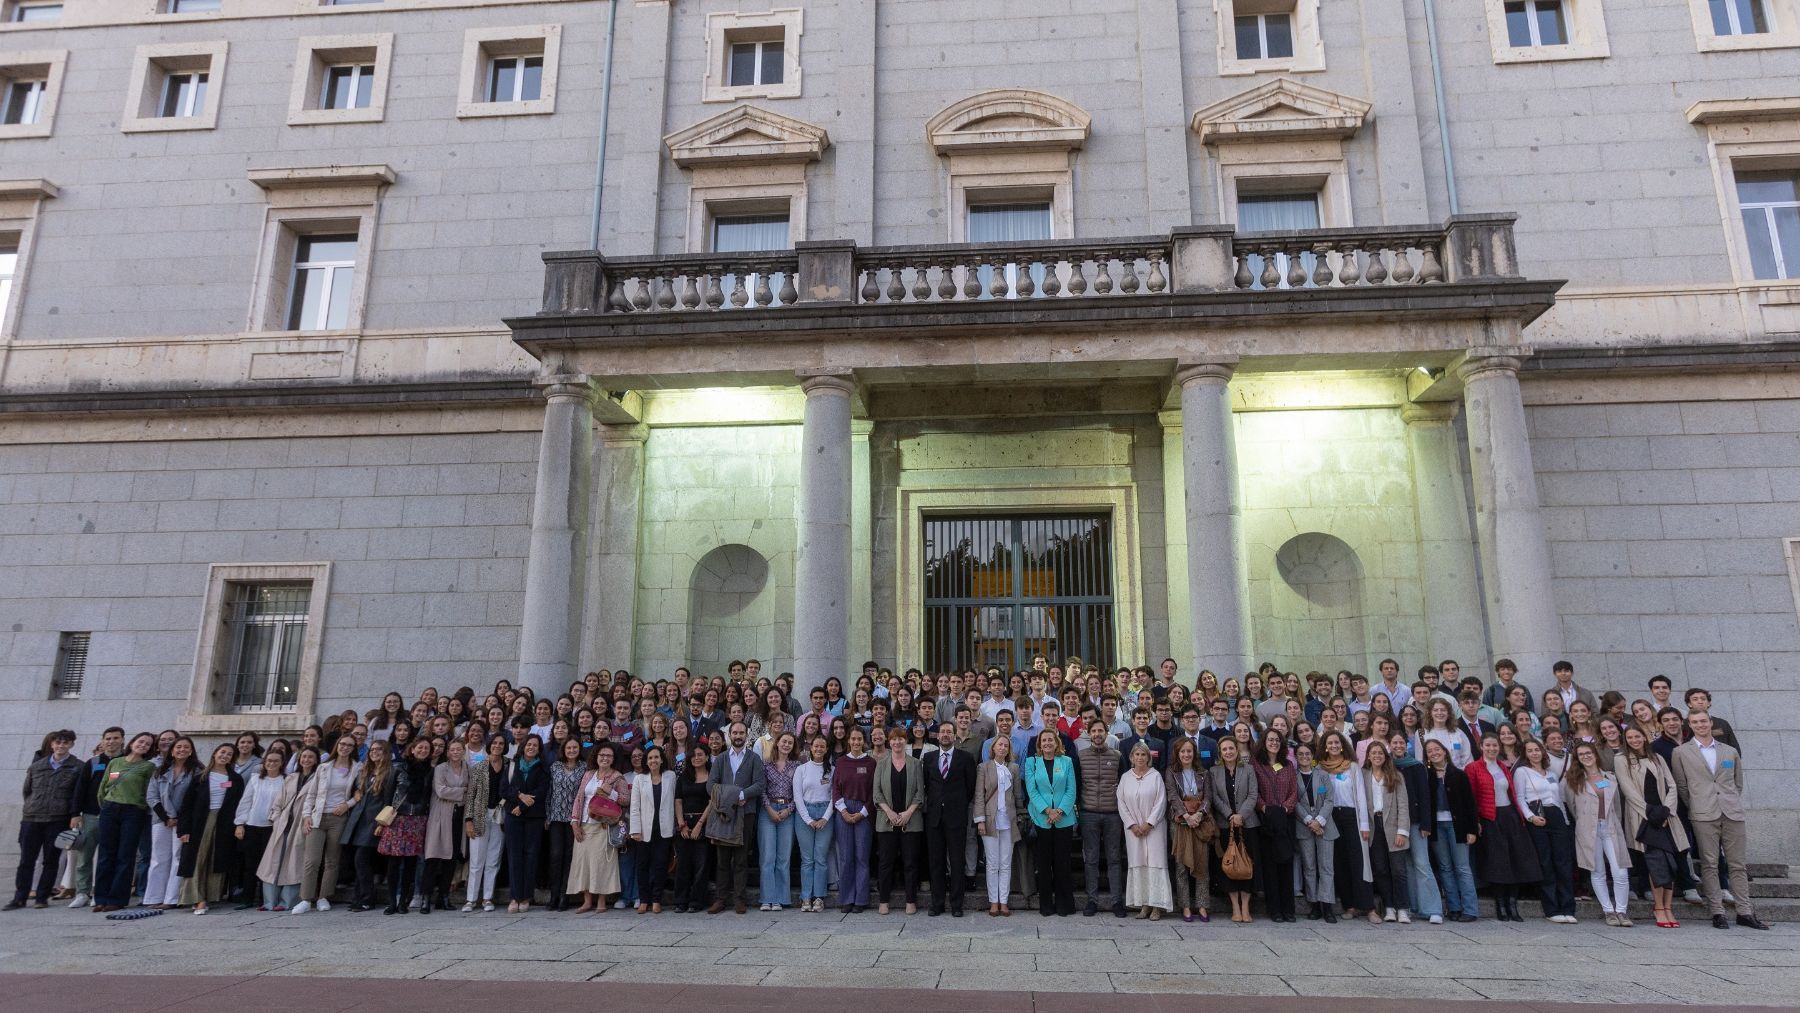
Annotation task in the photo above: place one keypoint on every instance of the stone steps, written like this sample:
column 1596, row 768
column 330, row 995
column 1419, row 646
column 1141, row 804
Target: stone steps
column 1783, row 906
column 1767, row 870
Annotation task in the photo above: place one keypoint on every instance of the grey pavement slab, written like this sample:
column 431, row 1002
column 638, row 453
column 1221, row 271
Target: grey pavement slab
column 543, row 970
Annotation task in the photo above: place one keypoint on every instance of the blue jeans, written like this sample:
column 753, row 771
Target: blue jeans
column 628, row 878
column 1421, row 885
column 854, row 841
column 1454, row 870
column 775, row 846
column 815, row 858
column 122, row 828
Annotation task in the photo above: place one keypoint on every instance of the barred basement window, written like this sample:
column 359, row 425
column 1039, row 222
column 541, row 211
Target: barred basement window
column 71, row 666
column 266, row 627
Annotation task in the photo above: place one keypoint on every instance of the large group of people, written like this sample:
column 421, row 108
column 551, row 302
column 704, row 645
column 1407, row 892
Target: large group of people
column 1058, row 788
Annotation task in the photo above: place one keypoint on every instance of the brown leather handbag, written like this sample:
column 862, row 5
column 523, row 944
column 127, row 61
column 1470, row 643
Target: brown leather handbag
column 1236, row 862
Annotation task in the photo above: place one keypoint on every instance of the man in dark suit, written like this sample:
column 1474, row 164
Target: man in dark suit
column 741, row 767
column 949, row 790
column 1470, row 723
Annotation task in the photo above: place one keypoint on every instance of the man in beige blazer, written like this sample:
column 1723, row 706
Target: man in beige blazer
column 1710, row 777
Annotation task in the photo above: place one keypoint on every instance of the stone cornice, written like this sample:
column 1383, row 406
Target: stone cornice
column 1739, row 110
column 306, row 177
column 1279, row 110
column 27, row 189
column 1008, row 119
column 747, row 135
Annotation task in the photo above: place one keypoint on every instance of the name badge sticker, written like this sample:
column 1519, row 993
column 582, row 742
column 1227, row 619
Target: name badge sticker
column 1603, row 784
column 1728, row 764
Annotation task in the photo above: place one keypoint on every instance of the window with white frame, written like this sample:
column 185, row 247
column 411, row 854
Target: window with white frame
column 70, row 669
column 1769, row 201
column 347, row 86
column 24, row 105
column 1526, row 31
column 324, row 274
column 1277, row 211
column 340, row 79
column 750, row 233
column 1265, row 36
column 258, row 651
column 27, row 11
column 1738, row 17
column 1259, row 36
column 1536, row 23
column 191, row 7
column 9, row 269
column 515, row 78
column 756, row 63
column 174, row 87
column 509, row 71
column 752, row 55
column 1009, row 220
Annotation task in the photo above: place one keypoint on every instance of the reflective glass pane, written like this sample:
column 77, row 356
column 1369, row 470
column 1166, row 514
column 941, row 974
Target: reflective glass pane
column 22, row 102
column 1518, row 24
column 338, row 81
column 1551, row 31
column 1761, row 242
column 327, row 249
column 1767, row 187
column 1249, row 43
column 1009, row 223
column 501, row 80
column 365, row 84
column 750, row 233
column 1278, row 212
column 37, row 12
column 743, row 64
column 771, row 63
column 337, row 313
column 1787, row 239
column 1281, row 36
column 309, row 284
column 533, row 85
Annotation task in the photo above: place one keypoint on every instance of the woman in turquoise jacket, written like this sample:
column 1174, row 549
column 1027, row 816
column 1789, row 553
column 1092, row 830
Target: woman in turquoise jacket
column 1050, row 789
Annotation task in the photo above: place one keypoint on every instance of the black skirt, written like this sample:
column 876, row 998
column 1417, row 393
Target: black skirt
column 1507, row 855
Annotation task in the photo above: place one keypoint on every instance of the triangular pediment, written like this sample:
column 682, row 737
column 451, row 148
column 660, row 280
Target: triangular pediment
column 1008, row 119
column 1281, row 109
column 747, row 135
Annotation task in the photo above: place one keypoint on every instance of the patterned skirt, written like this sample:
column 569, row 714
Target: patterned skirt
column 404, row 838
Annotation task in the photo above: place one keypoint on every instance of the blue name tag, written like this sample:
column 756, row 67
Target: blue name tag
column 1207, row 755
column 1603, row 784
column 1728, row 764
column 1340, row 777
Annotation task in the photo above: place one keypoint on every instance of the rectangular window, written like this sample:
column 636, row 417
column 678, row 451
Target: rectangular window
column 1536, row 23
column 1265, row 36
column 750, row 233
column 24, row 102
column 1739, row 17
column 1278, row 213
column 193, row 6
column 1770, row 203
column 183, row 94
column 265, row 627
column 9, row 268
column 1009, row 223
column 324, row 270
column 347, row 87
column 71, row 666
column 756, row 63
column 515, row 78
column 26, row 10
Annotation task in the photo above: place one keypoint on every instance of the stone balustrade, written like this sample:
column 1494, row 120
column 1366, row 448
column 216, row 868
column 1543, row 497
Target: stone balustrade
column 970, row 272
column 1188, row 261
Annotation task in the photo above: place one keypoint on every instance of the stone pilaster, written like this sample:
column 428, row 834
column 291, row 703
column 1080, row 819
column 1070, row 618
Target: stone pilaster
column 610, row 621
column 1521, row 619
column 1454, row 624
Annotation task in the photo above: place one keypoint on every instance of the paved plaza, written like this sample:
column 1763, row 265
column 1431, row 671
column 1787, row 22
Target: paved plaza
column 1025, row 954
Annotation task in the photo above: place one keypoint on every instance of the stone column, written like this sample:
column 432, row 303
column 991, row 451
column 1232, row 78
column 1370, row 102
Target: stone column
column 609, row 628
column 1522, row 621
column 1454, row 624
column 555, row 569
column 1215, row 550
column 822, row 564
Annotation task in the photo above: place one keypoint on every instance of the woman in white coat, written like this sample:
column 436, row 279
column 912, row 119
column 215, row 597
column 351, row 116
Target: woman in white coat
column 653, row 827
column 1143, row 808
column 1591, row 794
column 284, row 860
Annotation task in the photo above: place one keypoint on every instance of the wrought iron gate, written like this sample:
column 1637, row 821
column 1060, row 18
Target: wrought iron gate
column 999, row 589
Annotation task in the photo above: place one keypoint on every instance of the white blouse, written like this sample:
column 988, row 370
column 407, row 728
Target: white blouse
column 812, row 784
column 1537, row 787
column 259, row 795
column 1002, row 780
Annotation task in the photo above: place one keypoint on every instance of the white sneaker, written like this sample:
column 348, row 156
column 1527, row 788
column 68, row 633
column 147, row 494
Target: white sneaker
column 300, row 908
column 1437, row 919
column 1389, row 916
column 766, row 908
column 1692, row 897
column 487, row 905
column 1405, row 917
column 1726, row 896
column 322, row 905
column 618, row 905
column 81, row 900
column 470, row 906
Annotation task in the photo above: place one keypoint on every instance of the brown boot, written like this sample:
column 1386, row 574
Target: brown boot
column 717, row 906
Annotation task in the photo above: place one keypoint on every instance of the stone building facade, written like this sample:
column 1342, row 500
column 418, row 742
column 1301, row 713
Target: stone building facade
column 1228, row 330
